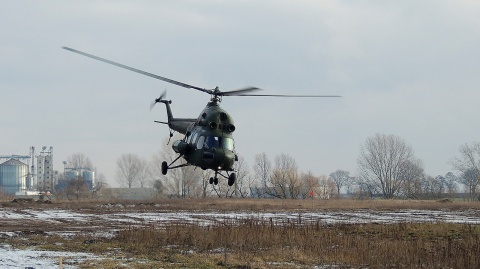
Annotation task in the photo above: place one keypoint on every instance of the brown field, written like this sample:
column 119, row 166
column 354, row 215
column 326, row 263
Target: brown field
column 261, row 204
column 253, row 243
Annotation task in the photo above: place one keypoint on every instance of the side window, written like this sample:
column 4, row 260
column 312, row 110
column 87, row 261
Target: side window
column 227, row 143
column 194, row 138
column 193, row 135
column 200, row 142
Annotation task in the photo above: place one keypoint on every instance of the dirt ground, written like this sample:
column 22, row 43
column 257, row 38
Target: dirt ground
column 95, row 217
column 27, row 225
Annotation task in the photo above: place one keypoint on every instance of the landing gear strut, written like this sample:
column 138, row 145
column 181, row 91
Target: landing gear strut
column 166, row 166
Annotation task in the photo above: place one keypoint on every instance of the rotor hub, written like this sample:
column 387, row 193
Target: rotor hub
column 216, row 95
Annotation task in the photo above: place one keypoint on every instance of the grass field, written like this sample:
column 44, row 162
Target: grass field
column 263, row 243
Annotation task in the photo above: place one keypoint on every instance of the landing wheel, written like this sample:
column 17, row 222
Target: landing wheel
column 231, row 179
column 215, row 181
column 210, row 180
column 164, row 168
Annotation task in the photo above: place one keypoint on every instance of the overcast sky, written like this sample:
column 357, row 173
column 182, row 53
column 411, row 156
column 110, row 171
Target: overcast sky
column 407, row 68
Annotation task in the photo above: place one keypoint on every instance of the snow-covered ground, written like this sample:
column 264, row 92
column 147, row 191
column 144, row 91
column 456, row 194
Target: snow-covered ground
column 67, row 222
column 119, row 219
column 37, row 259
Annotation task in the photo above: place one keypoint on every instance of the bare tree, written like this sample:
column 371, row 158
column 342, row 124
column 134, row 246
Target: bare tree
column 326, row 187
column 384, row 161
column 284, row 181
column 434, row 187
column 469, row 165
column 128, row 168
column 183, row 182
column 190, row 179
column 414, row 189
column 206, row 186
column 143, row 173
column 79, row 160
column 242, row 183
column 365, row 188
column 155, row 173
column 77, row 188
column 414, row 179
column 310, row 185
column 158, row 186
column 262, row 168
column 470, row 179
column 450, row 183
column 350, row 184
column 341, row 178
column 100, row 182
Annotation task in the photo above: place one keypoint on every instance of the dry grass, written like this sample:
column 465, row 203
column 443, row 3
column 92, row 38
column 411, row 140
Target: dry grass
column 257, row 204
column 261, row 244
column 252, row 243
column 255, row 244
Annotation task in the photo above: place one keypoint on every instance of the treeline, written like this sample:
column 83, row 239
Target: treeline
column 386, row 168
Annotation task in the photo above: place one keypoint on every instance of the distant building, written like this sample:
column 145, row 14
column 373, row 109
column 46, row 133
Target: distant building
column 13, row 176
column 18, row 178
column 76, row 173
column 45, row 174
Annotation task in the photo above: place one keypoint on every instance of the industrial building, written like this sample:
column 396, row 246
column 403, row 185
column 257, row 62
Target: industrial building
column 18, row 177
column 73, row 173
column 45, row 174
column 14, row 176
column 28, row 175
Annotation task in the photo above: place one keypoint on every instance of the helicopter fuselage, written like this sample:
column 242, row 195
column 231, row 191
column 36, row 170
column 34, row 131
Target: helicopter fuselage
column 208, row 141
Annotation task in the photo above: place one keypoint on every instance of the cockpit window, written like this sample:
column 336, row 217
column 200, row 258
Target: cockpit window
column 194, row 138
column 212, row 142
column 219, row 142
column 200, row 142
column 227, row 143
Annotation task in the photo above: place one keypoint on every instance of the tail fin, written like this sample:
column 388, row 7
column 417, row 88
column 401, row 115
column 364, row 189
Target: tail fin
column 178, row 125
column 169, row 111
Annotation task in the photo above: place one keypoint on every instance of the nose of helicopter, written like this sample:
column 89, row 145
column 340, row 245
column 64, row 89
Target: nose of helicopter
column 228, row 160
column 220, row 159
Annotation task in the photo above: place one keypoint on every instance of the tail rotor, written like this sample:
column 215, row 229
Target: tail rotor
column 158, row 100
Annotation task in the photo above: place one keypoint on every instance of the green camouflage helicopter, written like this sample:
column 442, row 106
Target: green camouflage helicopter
column 208, row 142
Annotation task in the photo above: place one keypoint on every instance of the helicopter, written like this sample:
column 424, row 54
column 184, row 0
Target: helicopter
column 208, row 140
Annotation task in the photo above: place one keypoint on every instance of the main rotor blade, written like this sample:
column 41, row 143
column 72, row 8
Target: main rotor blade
column 282, row 95
column 241, row 91
column 138, row 71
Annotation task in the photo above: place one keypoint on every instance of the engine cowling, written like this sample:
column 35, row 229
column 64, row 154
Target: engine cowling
column 180, row 146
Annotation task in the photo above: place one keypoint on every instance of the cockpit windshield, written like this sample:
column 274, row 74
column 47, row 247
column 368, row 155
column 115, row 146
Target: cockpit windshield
column 228, row 143
column 219, row 142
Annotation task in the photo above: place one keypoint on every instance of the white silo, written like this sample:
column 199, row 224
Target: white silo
column 89, row 177
column 71, row 174
column 13, row 174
